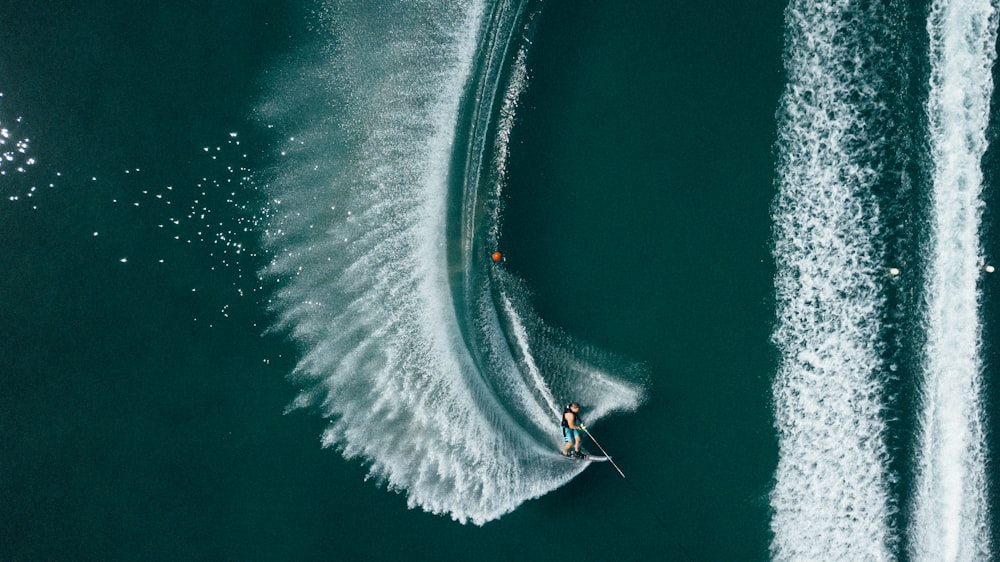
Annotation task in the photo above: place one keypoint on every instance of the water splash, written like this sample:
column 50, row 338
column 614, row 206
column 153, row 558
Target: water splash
column 424, row 356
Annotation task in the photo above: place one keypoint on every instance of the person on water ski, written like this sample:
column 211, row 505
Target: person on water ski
column 572, row 426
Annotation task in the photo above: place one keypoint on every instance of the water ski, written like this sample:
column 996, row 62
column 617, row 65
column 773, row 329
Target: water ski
column 586, row 457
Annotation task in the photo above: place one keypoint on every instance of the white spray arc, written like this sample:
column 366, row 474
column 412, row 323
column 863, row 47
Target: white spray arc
column 446, row 396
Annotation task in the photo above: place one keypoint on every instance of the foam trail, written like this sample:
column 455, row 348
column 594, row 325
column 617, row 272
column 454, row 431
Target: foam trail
column 830, row 499
column 404, row 349
column 950, row 520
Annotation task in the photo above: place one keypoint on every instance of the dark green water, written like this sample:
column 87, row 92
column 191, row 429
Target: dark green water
column 638, row 211
column 141, row 409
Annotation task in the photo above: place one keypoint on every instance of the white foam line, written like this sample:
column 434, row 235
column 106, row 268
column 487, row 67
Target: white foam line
column 520, row 334
column 508, row 111
column 830, row 500
column 951, row 520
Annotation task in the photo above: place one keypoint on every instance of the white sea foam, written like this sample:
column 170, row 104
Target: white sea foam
column 830, row 499
column 508, row 111
column 950, row 519
column 451, row 406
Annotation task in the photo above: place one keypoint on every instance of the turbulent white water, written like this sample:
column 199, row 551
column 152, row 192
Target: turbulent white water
column 429, row 365
column 950, row 519
column 830, row 499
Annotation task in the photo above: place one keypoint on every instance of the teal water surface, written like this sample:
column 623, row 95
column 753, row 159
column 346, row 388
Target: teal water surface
column 641, row 219
column 143, row 396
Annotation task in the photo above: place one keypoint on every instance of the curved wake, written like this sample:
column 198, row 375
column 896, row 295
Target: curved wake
column 428, row 363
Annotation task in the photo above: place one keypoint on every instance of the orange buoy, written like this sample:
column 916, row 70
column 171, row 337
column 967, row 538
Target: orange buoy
column 497, row 256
